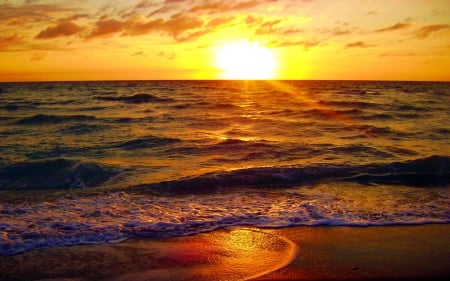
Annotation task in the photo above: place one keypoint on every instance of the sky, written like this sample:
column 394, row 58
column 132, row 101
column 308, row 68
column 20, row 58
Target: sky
column 43, row 40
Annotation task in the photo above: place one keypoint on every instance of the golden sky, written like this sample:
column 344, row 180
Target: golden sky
column 180, row 39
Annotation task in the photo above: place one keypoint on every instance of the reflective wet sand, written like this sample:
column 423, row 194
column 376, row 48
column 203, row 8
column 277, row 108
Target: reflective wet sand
column 297, row 253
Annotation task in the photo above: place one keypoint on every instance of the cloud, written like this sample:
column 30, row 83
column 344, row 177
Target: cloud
column 220, row 6
column 140, row 27
column 337, row 31
column 168, row 56
column 140, row 53
column 9, row 40
column 179, row 26
column 144, row 4
column 398, row 54
column 290, row 31
column 38, row 56
column 267, row 27
column 306, row 44
column 358, row 44
column 63, row 28
column 219, row 21
column 397, row 26
column 106, row 27
column 426, row 31
column 192, row 35
column 439, row 12
column 180, row 23
column 30, row 13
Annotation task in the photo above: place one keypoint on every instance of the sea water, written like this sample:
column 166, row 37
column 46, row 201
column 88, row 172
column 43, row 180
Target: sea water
column 101, row 162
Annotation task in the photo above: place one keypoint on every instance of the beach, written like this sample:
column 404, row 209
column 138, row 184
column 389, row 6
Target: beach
column 241, row 253
column 224, row 180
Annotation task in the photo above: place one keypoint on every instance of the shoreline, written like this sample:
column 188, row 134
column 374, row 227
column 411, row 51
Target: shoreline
column 248, row 253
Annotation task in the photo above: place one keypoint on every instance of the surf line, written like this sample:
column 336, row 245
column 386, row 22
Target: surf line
column 292, row 254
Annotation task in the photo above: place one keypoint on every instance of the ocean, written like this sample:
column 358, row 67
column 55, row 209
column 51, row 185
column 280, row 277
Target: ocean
column 103, row 162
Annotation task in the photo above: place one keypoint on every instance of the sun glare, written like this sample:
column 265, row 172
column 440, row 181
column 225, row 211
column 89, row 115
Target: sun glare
column 246, row 60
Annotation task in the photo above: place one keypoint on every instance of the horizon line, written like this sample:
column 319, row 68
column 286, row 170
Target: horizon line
column 231, row 80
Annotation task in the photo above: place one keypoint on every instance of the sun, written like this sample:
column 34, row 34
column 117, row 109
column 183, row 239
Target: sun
column 245, row 60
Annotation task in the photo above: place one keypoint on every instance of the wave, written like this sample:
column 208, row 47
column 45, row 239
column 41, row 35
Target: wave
column 378, row 116
column 147, row 142
column 224, row 147
column 408, row 107
column 353, row 104
column 371, row 130
column 41, row 119
column 137, row 98
column 54, row 174
column 423, row 172
column 81, row 129
column 112, row 217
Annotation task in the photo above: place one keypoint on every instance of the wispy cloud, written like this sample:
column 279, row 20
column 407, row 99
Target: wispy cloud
column 140, row 53
column 397, row 26
column 38, row 56
column 9, row 41
column 30, row 13
column 225, row 6
column 268, row 27
column 306, row 44
column 398, row 54
column 63, row 28
column 358, row 44
column 426, row 31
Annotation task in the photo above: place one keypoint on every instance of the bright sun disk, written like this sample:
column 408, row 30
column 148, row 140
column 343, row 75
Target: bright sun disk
column 246, row 60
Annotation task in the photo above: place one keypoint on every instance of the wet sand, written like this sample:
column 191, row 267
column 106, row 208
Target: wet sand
column 377, row 253
column 297, row 253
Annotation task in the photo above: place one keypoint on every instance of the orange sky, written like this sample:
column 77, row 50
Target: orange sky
column 179, row 39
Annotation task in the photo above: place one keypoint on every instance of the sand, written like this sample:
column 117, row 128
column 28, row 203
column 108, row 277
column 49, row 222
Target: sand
column 245, row 253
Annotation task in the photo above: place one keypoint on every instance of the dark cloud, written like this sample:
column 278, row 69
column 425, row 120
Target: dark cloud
column 179, row 26
column 429, row 29
column 75, row 17
column 106, row 27
column 9, row 40
column 140, row 27
column 140, row 53
column 179, row 23
column 397, row 26
column 358, row 44
column 63, row 28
